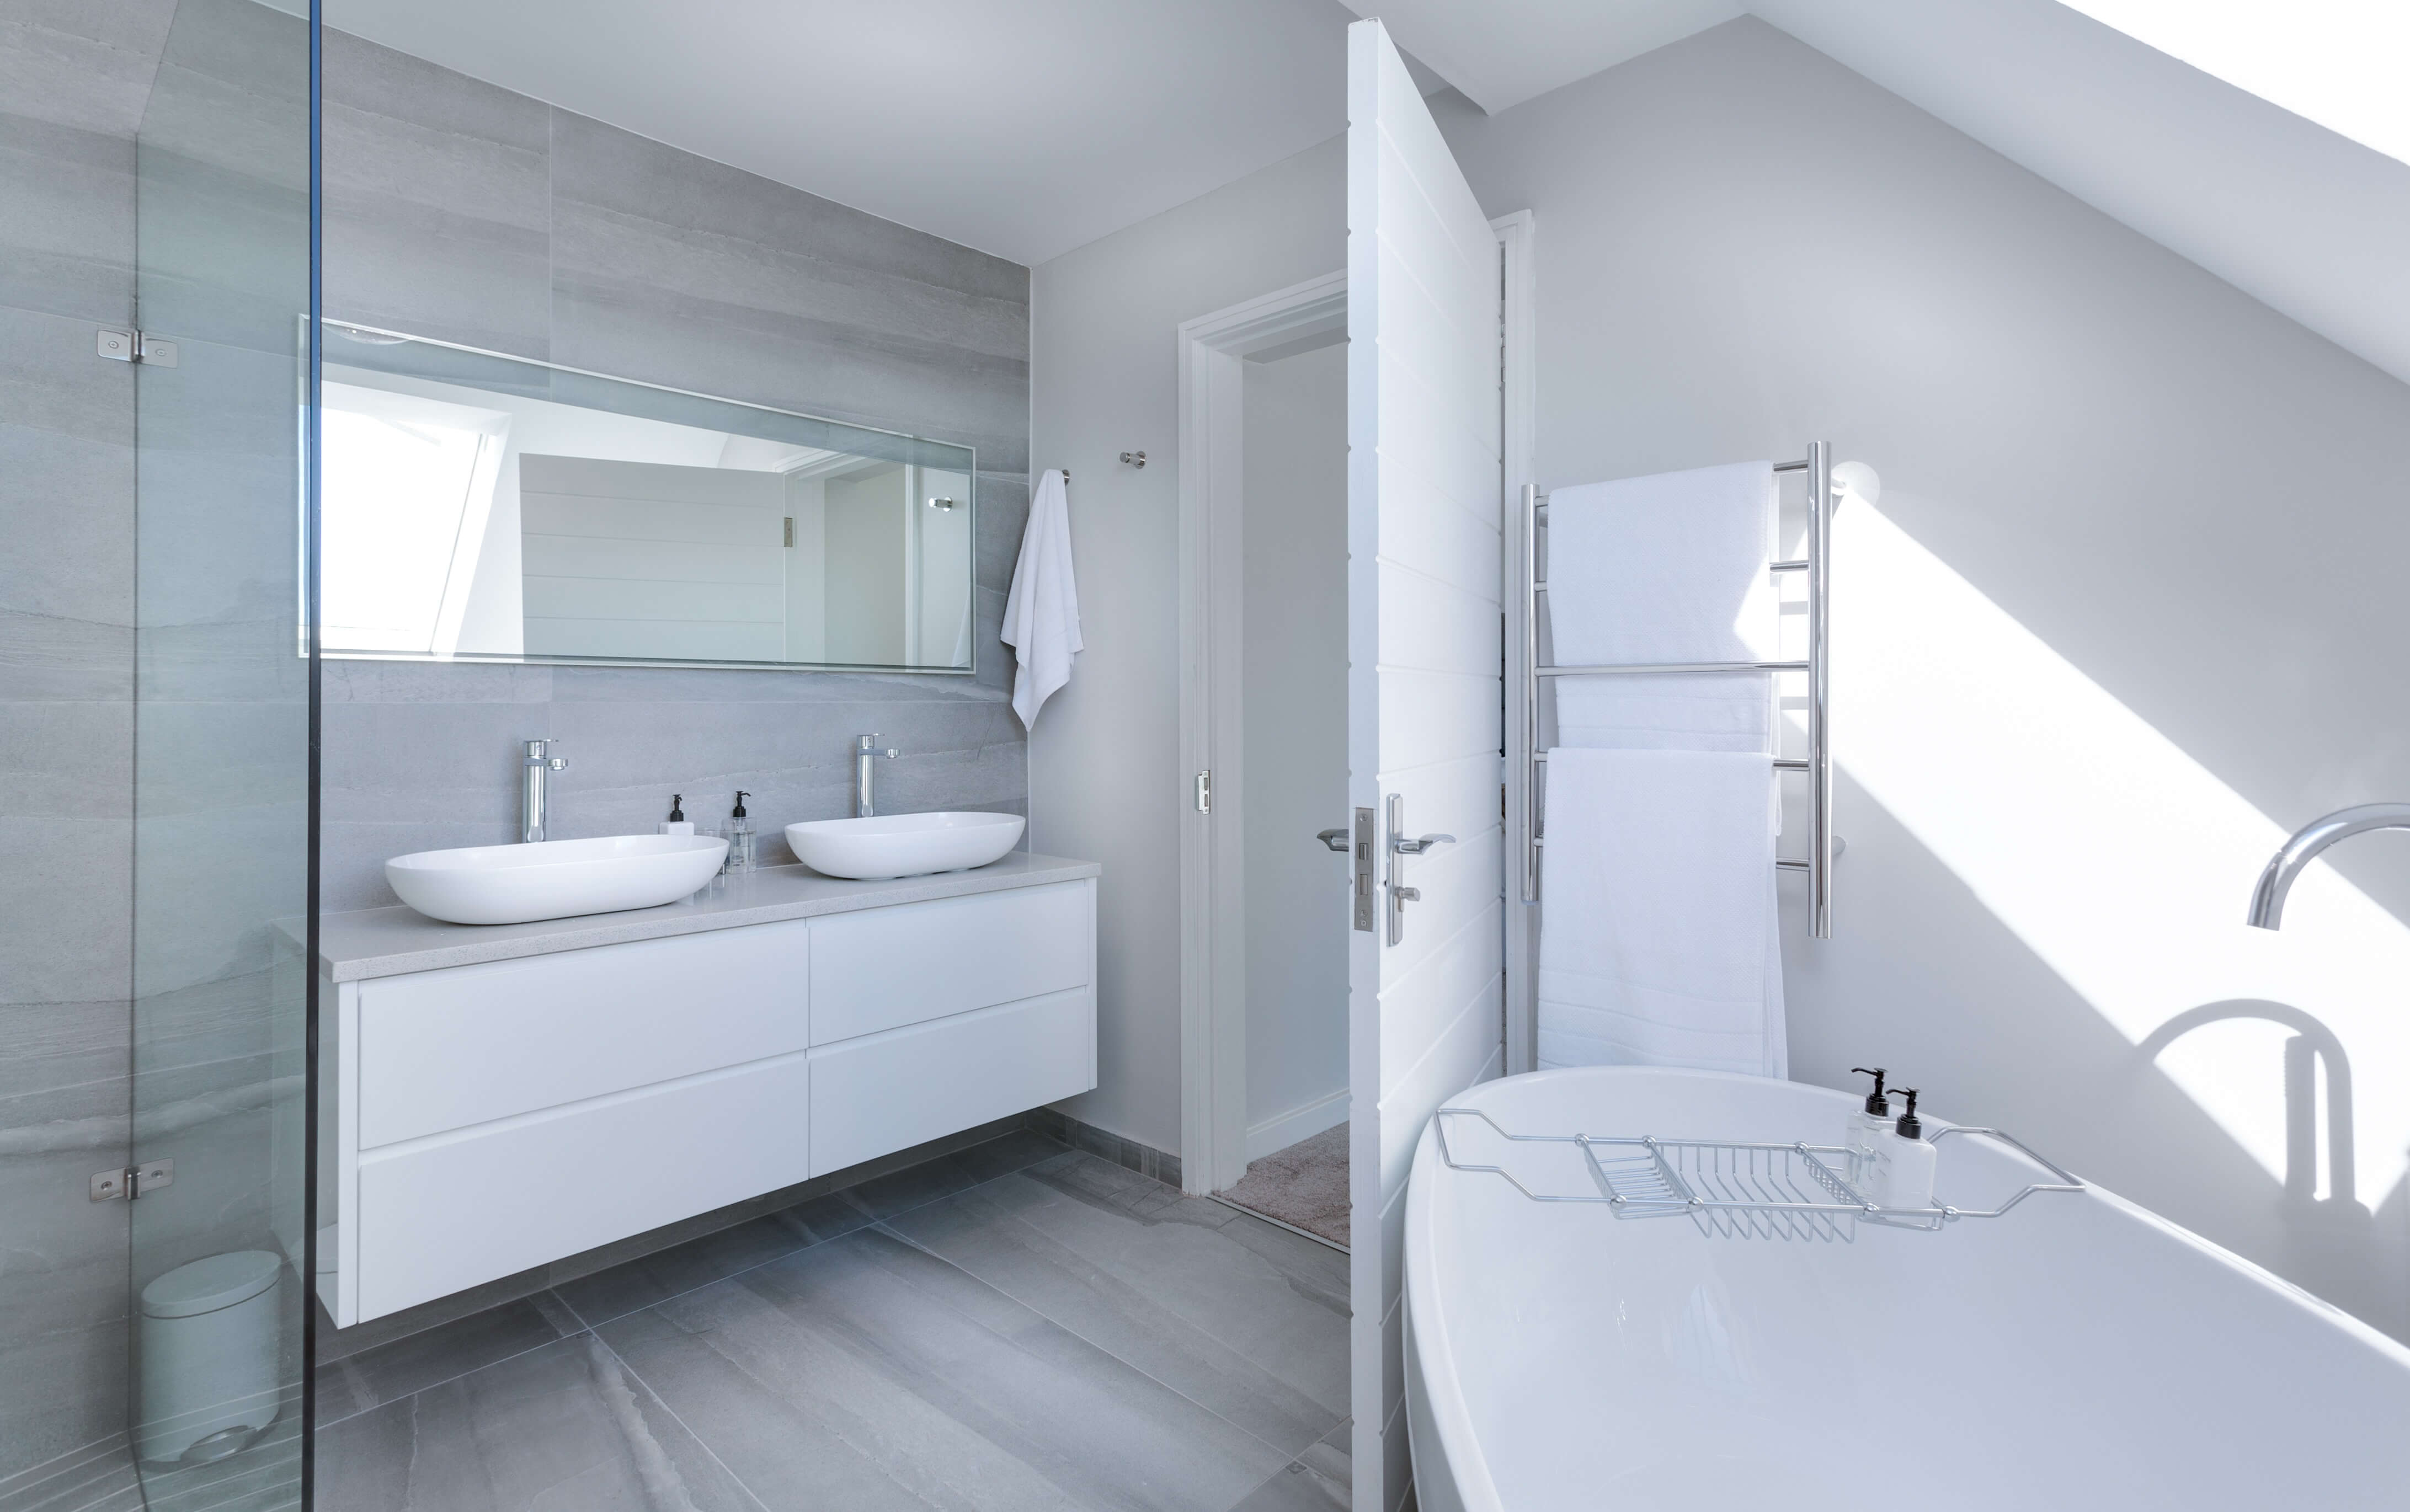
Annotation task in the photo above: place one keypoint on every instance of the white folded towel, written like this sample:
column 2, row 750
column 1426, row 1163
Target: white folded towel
column 1659, row 946
column 1041, row 615
column 1670, row 568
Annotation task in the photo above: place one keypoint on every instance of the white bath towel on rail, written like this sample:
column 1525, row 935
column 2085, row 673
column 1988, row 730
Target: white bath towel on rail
column 1670, row 568
column 1659, row 944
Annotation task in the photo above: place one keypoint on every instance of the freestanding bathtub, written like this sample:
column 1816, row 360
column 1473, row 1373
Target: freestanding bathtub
column 2076, row 1352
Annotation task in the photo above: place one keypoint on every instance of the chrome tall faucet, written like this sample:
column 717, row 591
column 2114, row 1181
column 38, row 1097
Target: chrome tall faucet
column 535, row 766
column 865, row 749
column 2268, row 898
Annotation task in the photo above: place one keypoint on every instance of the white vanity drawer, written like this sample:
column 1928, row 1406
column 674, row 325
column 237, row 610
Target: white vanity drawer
column 444, row 1049
column 885, row 968
column 893, row 1090
column 453, row 1213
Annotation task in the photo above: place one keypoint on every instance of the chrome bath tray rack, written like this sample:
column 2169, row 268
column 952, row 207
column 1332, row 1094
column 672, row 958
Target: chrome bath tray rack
column 1738, row 1190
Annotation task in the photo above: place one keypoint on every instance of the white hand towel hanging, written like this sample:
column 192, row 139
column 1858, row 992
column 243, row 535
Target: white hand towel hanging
column 1041, row 615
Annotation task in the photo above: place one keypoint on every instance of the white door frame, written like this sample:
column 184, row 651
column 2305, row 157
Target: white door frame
column 1213, row 350
column 1213, row 354
column 1519, row 446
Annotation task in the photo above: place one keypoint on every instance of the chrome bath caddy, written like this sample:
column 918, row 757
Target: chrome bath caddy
column 1735, row 1190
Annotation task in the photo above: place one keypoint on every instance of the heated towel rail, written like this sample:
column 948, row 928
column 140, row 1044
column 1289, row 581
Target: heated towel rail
column 1818, row 764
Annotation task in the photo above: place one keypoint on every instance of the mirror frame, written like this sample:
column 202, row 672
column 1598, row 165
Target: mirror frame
column 350, row 328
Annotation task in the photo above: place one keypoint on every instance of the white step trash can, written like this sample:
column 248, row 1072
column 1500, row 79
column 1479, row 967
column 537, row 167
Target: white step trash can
column 209, row 1350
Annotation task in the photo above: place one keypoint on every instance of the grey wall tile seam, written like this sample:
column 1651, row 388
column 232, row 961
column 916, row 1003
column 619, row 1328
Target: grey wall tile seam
column 1019, row 299
column 596, row 290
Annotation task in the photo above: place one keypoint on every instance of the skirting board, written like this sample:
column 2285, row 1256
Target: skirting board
column 1279, row 1133
column 1128, row 1154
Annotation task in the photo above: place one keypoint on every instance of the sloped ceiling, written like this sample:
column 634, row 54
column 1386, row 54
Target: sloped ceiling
column 2308, row 221
column 1502, row 52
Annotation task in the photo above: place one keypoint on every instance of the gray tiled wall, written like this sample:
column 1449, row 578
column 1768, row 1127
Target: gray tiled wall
column 73, row 81
column 459, row 210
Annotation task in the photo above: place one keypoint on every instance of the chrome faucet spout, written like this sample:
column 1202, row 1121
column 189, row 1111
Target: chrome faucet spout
column 2268, row 898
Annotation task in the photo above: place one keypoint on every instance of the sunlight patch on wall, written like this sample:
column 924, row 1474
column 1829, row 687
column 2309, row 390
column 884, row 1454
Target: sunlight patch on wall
column 2122, row 863
column 2339, row 62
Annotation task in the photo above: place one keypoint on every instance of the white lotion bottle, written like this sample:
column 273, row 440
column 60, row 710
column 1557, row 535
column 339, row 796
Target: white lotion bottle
column 1868, row 1128
column 677, row 823
column 1905, row 1168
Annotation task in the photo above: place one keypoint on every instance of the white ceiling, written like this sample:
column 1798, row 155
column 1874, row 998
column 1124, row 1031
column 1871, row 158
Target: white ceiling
column 1020, row 127
column 2301, row 218
column 1499, row 54
column 1028, row 127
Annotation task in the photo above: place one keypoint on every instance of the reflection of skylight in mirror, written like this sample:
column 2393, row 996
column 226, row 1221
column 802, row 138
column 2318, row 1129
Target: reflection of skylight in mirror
column 401, row 526
column 2340, row 63
column 2121, row 862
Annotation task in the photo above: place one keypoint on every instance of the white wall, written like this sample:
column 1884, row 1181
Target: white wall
column 1104, row 771
column 1294, row 722
column 2156, row 533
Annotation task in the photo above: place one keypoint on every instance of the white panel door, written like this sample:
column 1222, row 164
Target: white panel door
column 1424, row 698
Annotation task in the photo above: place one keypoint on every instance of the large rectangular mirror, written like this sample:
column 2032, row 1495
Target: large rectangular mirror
column 485, row 508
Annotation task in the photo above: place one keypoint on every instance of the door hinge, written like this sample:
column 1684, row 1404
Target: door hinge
column 133, row 347
column 1205, row 792
column 131, row 1181
column 791, row 530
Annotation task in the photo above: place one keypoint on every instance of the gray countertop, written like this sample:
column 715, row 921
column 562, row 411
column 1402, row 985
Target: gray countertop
column 389, row 942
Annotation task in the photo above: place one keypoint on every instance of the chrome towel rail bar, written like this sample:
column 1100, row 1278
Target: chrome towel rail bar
column 1818, row 764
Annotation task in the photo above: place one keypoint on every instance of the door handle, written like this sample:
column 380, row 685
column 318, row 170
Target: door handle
column 1335, row 840
column 1400, row 846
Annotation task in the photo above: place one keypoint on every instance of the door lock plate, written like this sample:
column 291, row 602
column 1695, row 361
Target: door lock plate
column 1364, row 881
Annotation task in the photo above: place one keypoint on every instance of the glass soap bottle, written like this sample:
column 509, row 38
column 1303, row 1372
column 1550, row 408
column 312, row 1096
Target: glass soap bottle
column 740, row 837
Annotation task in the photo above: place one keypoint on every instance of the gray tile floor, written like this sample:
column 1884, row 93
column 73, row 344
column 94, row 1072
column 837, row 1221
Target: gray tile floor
column 1015, row 1325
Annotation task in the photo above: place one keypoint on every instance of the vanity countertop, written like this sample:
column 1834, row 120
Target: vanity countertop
column 390, row 942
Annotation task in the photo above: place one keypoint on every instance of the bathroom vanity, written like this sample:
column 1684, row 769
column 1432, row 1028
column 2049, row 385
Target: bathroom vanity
column 495, row 1098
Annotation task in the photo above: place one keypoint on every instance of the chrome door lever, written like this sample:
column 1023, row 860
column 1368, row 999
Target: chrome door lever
column 1400, row 846
column 1335, row 840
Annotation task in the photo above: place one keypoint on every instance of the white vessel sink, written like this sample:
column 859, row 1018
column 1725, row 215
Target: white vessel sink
column 904, row 844
column 511, row 884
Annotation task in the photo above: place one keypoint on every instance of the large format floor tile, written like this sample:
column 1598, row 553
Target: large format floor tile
column 955, row 1391
column 566, row 1428
column 1008, row 1329
column 1173, row 1292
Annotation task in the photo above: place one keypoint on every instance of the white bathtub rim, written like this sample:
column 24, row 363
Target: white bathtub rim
column 1446, row 1448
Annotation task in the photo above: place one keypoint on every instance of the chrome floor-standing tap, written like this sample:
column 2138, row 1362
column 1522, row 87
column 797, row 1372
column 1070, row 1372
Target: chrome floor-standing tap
column 866, row 748
column 537, row 765
column 2268, row 898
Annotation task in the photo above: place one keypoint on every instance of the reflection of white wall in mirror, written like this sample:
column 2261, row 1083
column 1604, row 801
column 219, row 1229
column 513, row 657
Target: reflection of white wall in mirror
column 807, row 568
column 408, row 483
column 867, row 530
column 916, row 591
column 645, row 560
column 941, row 515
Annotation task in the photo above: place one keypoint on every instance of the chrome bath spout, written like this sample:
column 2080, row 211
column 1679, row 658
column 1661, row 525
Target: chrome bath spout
column 2268, row 898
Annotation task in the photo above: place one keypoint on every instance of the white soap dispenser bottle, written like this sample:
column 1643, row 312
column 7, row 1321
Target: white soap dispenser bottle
column 677, row 823
column 1904, row 1170
column 1868, row 1127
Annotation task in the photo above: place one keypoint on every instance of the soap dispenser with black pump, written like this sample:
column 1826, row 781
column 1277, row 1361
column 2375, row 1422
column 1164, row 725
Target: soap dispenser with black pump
column 740, row 838
column 1868, row 1126
column 1904, row 1168
column 677, row 823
